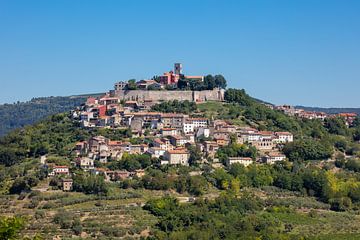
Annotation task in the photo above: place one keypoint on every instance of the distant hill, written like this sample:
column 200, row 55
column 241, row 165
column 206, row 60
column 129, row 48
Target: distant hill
column 331, row 110
column 20, row 114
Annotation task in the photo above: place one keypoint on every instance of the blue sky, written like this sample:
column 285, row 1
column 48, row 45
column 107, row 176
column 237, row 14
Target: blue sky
column 304, row 52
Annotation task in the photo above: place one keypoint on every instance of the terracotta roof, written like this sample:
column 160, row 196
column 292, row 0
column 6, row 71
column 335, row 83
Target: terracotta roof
column 276, row 154
column 172, row 115
column 197, row 119
column 178, row 151
column 240, row 158
column 168, row 129
column 283, row 133
column 115, row 142
column 266, row 133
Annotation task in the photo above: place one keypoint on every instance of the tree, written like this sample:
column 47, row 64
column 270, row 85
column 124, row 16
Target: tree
column 197, row 185
column 336, row 126
column 195, row 155
column 10, row 227
column 220, row 81
column 23, row 184
column 209, row 82
column 238, row 96
column 131, row 84
column 182, row 84
column 307, row 149
column 90, row 184
column 10, row 156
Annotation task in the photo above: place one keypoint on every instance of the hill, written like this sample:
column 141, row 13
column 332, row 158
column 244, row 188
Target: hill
column 315, row 193
column 330, row 110
column 20, row 114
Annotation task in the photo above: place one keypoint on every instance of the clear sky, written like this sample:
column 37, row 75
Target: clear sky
column 304, row 52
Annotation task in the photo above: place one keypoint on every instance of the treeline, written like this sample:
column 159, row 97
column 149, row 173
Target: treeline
column 209, row 83
column 226, row 217
column 55, row 135
column 175, row 106
column 20, row 114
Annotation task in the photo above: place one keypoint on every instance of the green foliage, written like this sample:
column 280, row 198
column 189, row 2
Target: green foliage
column 353, row 165
column 236, row 150
column 226, row 217
column 132, row 162
column 113, row 134
column 233, row 95
column 55, row 135
column 210, row 82
column 307, row 149
column 21, row 114
column 131, row 85
column 175, row 106
column 23, row 184
column 336, row 126
column 90, row 184
column 10, row 227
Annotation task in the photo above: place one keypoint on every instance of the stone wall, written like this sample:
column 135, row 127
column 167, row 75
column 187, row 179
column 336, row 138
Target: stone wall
column 156, row 96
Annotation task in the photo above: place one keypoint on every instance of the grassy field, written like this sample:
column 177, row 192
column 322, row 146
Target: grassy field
column 115, row 217
column 120, row 215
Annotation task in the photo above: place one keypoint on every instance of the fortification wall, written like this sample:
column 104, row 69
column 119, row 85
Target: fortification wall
column 142, row 95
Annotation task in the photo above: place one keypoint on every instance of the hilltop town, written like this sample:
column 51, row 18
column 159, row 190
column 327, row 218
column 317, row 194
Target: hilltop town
column 173, row 138
column 124, row 163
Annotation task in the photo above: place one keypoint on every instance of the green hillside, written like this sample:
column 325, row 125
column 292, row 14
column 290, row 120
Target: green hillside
column 315, row 194
column 20, row 114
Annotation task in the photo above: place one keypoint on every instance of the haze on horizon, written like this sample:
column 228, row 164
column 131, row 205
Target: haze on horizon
column 294, row 52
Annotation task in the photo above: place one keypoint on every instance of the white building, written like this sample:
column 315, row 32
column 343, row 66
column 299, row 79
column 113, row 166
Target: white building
column 156, row 152
column 188, row 127
column 57, row 170
column 283, row 137
column 274, row 157
column 85, row 163
column 246, row 161
column 198, row 122
column 177, row 156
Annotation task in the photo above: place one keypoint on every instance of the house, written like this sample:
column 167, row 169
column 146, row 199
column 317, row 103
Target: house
column 60, row 170
column 263, row 144
column 162, row 143
column 250, row 136
column 222, row 141
column 109, row 100
column 155, row 86
column 85, row 163
column 156, row 152
column 67, row 184
column 198, row 122
column 177, row 156
column 173, row 120
column 210, row 148
column 81, row 148
column 117, row 175
column 178, row 140
column 169, row 78
column 188, row 127
column 221, row 135
column 91, row 101
column 205, row 132
column 246, row 161
column 169, row 132
column 273, row 157
column 144, row 84
column 131, row 105
column 283, row 137
column 120, row 85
